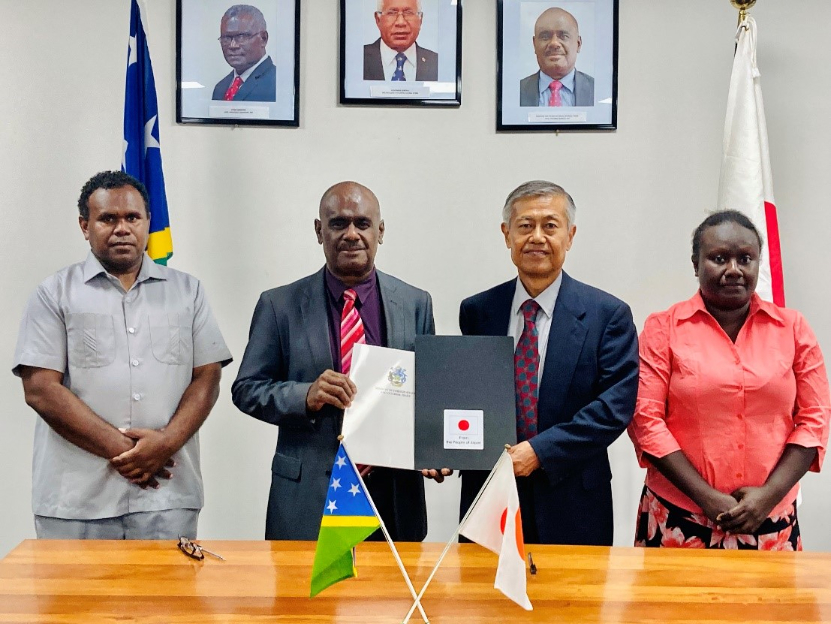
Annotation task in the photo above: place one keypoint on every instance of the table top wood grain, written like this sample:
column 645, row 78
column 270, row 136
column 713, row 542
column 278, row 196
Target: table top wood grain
column 68, row 582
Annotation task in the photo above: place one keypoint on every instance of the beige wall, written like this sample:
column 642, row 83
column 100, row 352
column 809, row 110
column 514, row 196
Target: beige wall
column 243, row 200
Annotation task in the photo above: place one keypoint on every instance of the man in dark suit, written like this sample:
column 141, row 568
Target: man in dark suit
column 243, row 36
column 293, row 372
column 557, row 42
column 395, row 55
column 576, row 368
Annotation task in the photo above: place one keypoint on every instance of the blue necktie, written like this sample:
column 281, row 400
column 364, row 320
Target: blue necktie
column 400, row 59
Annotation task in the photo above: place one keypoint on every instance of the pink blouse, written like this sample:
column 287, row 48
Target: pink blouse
column 730, row 407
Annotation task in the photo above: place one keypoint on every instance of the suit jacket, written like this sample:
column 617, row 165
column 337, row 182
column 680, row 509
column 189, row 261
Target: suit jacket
column 586, row 399
column 288, row 348
column 529, row 90
column 427, row 63
column 261, row 85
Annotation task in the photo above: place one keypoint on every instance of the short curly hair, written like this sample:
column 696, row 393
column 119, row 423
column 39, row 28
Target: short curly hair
column 110, row 180
column 717, row 218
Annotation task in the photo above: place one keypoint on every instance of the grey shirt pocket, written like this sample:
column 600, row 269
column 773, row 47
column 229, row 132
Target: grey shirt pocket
column 90, row 339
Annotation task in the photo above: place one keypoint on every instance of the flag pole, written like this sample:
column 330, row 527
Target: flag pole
column 453, row 538
column 389, row 541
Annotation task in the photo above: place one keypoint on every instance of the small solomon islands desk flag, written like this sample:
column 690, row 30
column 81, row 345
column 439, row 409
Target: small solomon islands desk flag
column 495, row 523
column 142, row 156
column 348, row 519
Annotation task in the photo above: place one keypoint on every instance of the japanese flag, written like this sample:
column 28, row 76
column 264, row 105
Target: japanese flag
column 495, row 523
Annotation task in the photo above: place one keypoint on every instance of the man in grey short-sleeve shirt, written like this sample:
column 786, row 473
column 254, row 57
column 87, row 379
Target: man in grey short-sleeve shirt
column 122, row 359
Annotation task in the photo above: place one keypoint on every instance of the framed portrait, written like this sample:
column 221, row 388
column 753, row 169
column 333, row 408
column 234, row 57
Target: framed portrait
column 401, row 52
column 556, row 65
column 238, row 64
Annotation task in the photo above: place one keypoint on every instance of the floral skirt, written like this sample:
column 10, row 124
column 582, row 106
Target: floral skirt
column 662, row 524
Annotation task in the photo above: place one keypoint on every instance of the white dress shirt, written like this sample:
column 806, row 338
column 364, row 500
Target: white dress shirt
column 546, row 300
column 388, row 61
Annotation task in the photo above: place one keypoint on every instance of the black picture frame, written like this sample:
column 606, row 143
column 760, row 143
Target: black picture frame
column 363, row 77
column 592, row 97
column 202, row 71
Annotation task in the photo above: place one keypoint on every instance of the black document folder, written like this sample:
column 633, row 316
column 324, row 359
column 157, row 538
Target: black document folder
column 465, row 410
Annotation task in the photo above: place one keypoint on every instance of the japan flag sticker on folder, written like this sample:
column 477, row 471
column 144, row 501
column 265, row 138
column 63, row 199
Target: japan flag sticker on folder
column 464, row 429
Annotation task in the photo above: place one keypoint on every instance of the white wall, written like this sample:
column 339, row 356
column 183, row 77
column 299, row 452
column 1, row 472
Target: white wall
column 242, row 201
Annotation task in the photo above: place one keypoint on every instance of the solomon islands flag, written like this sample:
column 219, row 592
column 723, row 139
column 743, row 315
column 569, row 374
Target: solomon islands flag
column 348, row 519
column 142, row 157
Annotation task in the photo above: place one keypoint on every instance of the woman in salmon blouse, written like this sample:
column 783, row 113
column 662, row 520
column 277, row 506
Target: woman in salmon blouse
column 733, row 405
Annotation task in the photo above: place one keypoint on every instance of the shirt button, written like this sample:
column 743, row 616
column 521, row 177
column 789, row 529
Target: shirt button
column 740, row 445
column 132, row 330
column 136, row 397
column 135, row 362
column 739, row 475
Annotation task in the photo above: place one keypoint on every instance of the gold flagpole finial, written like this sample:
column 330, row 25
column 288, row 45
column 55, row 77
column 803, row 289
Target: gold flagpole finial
column 742, row 6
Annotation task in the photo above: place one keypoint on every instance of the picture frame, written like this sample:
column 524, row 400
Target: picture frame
column 537, row 43
column 269, row 64
column 371, row 39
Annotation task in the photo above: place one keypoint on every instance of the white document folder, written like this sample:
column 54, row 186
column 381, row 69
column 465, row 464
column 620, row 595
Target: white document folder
column 379, row 427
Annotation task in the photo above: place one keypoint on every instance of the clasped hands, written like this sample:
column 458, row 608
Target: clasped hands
column 147, row 460
column 743, row 511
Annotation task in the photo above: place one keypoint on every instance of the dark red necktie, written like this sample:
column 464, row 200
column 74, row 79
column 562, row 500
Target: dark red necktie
column 526, row 373
column 232, row 90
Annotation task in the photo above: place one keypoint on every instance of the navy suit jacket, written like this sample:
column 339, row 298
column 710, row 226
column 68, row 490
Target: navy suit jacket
column 288, row 348
column 261, row 85
column 427, row 63
column 586, row 399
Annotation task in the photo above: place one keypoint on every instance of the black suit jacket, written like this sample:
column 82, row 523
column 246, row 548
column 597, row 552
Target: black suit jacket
column 288, row 348
column 261, row 86
column 586, row 399
column 427, row 63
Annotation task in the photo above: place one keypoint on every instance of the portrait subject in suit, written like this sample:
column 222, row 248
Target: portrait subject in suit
column 243, row 37
column 294, row 373
column 576, row 373
column 396, row 55
column 557, row 43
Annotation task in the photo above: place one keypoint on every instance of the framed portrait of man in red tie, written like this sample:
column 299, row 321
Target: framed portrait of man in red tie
column 401, row 52
column 238, row 63
column 556, row 65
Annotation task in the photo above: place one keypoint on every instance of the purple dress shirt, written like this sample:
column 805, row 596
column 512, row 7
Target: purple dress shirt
column 368, row 304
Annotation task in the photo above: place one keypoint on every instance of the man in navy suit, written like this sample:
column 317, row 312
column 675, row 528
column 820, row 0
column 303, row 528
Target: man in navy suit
column 243, row 36
column 395, row 55
column 576, row 368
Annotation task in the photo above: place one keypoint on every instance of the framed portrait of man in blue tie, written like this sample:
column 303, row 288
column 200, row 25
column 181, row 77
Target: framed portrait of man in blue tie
column 401, row 52
column 557, row 65
column 238, row 63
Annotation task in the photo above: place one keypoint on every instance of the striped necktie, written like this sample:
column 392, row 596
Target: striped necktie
column 351, row 330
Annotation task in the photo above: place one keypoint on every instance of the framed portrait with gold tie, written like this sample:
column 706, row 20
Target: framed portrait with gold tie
column 556, row 65
column 401, row 52
column 238, row 64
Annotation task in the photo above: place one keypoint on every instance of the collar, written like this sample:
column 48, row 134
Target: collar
column 247, row 73
column 695, row 305
column 336, row 288
column 388, row 54
column 149, row 269
column 567, row 80
column 546, row 299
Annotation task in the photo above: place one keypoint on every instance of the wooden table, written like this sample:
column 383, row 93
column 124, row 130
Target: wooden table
column 75, row 581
